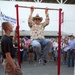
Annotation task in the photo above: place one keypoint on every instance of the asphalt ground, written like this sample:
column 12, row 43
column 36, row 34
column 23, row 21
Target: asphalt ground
column 39, row 69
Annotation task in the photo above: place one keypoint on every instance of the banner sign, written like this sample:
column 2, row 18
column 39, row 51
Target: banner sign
column 7, row 18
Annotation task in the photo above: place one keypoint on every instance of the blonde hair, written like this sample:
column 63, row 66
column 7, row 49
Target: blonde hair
column 5, row 25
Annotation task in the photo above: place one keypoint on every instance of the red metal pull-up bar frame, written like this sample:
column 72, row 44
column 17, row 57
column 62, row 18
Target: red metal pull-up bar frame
column 59, row 33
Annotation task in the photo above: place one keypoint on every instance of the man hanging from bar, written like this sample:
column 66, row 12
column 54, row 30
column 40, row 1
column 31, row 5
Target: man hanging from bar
column 40, row 45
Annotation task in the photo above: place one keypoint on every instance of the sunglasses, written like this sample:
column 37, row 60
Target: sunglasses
column 37, row 19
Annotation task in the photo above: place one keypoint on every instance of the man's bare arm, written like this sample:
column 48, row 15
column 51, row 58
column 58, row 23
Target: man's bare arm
column 15, row 34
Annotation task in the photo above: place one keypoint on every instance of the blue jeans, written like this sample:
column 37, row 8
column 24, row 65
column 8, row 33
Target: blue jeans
column 25, row 55
column 70, row 58
column 41, row 47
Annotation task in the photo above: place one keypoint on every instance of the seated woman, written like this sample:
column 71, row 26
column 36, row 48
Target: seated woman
column 26, row 42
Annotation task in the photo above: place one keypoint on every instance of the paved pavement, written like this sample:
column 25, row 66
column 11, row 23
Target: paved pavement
column 39, row 69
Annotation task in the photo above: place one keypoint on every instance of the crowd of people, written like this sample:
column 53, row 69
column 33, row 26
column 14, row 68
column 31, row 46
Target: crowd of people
column 67, row 51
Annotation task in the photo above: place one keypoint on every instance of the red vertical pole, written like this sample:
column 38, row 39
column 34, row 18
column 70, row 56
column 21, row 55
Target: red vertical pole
column 17, row 20
column 2, row 31
column 59, row 41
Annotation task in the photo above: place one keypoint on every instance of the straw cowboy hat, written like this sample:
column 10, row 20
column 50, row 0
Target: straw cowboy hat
column 37, row 17
column 71, row 35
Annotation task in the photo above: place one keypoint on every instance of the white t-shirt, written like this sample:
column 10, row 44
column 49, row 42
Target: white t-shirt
column 66, row 47
column 55, row 45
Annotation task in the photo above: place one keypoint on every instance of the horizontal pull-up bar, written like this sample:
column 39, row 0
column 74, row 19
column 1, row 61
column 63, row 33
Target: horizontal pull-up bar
column 36, row 7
